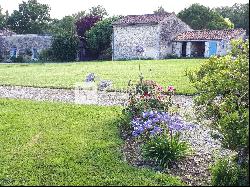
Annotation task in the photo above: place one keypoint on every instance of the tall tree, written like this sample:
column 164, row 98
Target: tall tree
column 200, row 17
column 238, row 14
column 160, row 10
column 98, row 11
column 65, row 25
column 99, row 37
column 31, row 17
column 79, row 15
column 2, row 19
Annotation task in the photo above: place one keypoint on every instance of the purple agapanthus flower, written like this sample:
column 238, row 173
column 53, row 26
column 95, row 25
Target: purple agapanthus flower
column 154, row 122
column 90, row 77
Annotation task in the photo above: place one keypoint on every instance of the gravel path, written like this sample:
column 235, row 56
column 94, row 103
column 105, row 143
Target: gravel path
column 77, row 96
column 63, row 95
column 193, row 169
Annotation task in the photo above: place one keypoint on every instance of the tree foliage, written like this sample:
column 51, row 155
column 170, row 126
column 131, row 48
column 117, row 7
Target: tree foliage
column 160, row 10
column 64, row 25
column 2, row 19
column 238, row 14
column 222, row 84
column 98, row 10
column 85, row 24
column 64, row 48
column 99, row 37
column 32, row 17
column 200, row 17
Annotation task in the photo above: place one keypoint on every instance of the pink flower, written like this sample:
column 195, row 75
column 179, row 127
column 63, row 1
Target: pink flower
column 160, row 88
column 171, row 88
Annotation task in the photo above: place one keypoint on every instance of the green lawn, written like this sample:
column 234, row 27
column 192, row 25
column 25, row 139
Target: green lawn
column 60, row 144
column 65, row 75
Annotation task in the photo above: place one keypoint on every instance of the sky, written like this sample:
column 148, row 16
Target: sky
column 61, row 8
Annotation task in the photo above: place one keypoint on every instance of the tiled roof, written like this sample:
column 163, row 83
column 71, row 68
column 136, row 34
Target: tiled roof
column 209, row 34
column 6, row 32
column 141, row 19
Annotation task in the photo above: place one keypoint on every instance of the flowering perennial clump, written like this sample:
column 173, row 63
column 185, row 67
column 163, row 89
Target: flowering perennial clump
column 90, row 77
column 153, row 122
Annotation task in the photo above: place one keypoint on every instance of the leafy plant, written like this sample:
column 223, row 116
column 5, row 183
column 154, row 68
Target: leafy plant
column 99, row 38
column 164, row 149
column 160, row 135
column 18, row 59
column 64, row 47
column 226, row 172
column 46, row 55
column 222, row 84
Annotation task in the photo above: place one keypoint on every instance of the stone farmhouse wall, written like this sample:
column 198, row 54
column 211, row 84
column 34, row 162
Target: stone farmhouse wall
column 155, row 39
column 127, row 38
column 169, row 28
column 24, row 44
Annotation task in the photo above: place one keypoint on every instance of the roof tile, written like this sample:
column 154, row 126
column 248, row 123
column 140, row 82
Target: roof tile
column 209, row 34
column 141, row 19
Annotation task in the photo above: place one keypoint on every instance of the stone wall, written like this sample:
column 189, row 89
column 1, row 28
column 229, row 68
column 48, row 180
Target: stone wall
column 177, row 49
column 170, row 28
column 127, row 38
column 24, row 44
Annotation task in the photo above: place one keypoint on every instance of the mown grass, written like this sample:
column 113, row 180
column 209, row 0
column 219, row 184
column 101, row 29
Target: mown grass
column 60, row 144
column 65, row 75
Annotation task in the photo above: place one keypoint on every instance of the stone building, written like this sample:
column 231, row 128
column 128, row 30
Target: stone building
column 145, row 36
column 27, row 45
column 159, row 36
column 205, row 43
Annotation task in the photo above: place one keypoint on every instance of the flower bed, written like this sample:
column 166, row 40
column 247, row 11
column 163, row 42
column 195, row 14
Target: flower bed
column 153, row 123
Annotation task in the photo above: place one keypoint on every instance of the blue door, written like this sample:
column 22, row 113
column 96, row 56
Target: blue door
column 212, row 48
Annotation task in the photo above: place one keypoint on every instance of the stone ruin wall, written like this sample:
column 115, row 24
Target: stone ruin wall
column 126, row 38
column 24, row 44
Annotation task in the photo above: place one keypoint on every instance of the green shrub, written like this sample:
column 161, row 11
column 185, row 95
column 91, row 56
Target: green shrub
column 46, row 55
column 171, row 56
column 223, row 89
column 164, row 149
column 99, row 39
column 222, row 84
column 64, row 47
column 18, row 59
column 226, row 172
column 105, row 54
